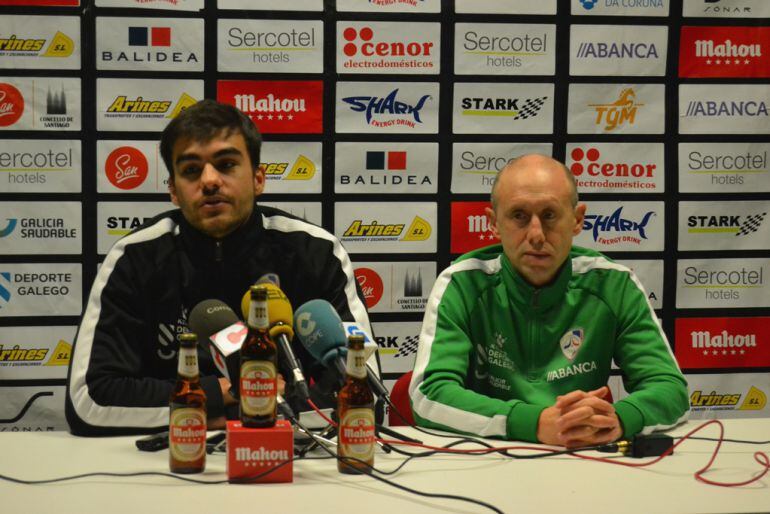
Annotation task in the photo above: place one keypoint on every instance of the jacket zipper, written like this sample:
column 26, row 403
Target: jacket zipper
column 219, row 261
column 533, row 331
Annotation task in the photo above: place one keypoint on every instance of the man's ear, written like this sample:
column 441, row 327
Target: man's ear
column 492, row 219
column 172, row 191
column 580, row 214
column 259, row 180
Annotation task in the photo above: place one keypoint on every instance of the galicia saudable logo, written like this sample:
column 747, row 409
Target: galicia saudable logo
column 9, row 228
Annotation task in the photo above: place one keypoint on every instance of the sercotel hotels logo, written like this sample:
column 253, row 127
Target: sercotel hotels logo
column 388, row 111
column 724, row 284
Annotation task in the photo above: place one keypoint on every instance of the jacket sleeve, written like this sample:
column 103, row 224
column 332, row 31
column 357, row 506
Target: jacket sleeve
column 658, row 392
column 438, row 391
column 113, row 385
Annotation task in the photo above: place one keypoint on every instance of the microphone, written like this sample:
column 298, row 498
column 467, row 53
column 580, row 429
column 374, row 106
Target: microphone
column 215, row 322
column 281, row 332
column 322, row 333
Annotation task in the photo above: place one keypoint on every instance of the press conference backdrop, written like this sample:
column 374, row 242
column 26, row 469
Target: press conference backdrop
column 396, row 114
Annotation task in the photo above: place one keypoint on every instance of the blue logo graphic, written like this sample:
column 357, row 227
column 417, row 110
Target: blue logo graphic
column 615, row 222
column 388, row 105
column 5, row 294
column 588, row 4
column 9, row 228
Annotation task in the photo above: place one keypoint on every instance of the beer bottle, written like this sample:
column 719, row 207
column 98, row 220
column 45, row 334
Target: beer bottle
column 355, row 409
column 187, row 418
column 258, row 382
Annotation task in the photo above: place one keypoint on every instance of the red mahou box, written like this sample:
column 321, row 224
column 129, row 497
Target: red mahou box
column 253, row 451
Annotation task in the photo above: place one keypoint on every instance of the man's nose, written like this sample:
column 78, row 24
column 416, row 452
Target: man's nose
column 535, row 234
column 210, row 177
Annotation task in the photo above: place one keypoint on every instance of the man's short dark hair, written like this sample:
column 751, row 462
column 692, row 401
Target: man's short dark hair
column 204, row 121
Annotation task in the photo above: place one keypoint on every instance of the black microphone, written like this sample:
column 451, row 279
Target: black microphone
column 216, row 324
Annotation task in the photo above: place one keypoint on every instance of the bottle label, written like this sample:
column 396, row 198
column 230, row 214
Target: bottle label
column 356, row 363
column 187, row 434
column 188, row 362
column 357, row 434
column 259, row 386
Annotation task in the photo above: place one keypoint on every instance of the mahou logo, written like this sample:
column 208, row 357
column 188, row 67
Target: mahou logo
column 388, row 47
column 371, row 285
column 618, row 113
column 275, row 106
column 722, row 342
column 470, row 227
column 725, row 52
column 11, row 104
column 126, row 168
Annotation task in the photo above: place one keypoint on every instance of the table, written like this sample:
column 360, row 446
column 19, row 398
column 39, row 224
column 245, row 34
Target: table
column 561, row 484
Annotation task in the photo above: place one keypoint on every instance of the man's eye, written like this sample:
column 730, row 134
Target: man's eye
column 549, row 216
column 519, row 216
column 190, row 171
column 226, row 165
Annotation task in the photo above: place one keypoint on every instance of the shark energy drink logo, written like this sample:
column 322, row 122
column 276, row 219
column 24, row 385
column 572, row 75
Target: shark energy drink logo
column 630, row 226
column 387, row 107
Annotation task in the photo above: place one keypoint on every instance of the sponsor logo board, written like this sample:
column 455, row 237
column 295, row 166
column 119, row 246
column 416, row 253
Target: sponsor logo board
column 387, row 107
column 474, row 165
column 506, row 6
column 394, row 168
column 724, row 225
column 40, row 42
column 50, row 289
column 412, row 6
column 40, row 166
column 395, row 286
column 43, row 3
column 724, row 52
column 722, row 342
column 504, row 49
column 726, row 8
column 386, row 227
column 620, row 7
column 722, row 283
column 143, row 105
column 177, row 5
column 38, row 353
column 618, row 50
column 617, row 167
column 650, row 274
column 502, row 108
column 388, row 47
column 130, row 167
column 149, row 44
column 292, row 167
column 397, row 345
column 738, row 109
column 40, row 103
column 269, row 5
column 277, row 107
column 33, row 228
column 470, row 227
column 270, row 46
column 117, row 219
column 616, row 109
column 734, row 395
column 623, row 226
column 737, row 167
column 309, row 211
column 32, row 409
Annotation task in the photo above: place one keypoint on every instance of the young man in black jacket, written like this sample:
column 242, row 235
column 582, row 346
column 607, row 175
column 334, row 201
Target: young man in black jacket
column 214, row 246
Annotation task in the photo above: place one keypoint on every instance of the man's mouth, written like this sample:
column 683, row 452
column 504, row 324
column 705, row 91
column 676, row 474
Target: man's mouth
column 213, row 202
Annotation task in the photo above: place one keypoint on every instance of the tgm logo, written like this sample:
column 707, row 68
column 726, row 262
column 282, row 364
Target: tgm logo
column 372, row 47
column 601, row 167
column 126, row 168
column 616, row 228
column 618, row 50
column 388, row 111
column 725, row 52
column 11, row 104
column 622, row 111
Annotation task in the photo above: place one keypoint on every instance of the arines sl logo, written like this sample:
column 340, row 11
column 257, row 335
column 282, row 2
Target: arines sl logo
column 419, row 230
column 302, row 169
column 61, row 45
column 122, row 106
column 618, row 113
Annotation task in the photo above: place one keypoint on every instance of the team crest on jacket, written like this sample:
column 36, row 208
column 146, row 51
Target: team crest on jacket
column 570, row 342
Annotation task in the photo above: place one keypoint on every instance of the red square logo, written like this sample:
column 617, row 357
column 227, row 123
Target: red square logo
column 470, row 227
column 161, row 36
column 254, row 451
column 396, row 160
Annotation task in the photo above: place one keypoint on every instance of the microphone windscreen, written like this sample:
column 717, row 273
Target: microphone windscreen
column 319, row 329
column 278, row 307
column 209, row 317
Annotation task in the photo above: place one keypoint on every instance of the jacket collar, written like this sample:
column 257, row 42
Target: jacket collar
column 203, row 248
column 524, row 294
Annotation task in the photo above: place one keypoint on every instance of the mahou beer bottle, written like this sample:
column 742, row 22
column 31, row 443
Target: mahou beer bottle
column 258, row 384
column 187, row 419
column 355, row 408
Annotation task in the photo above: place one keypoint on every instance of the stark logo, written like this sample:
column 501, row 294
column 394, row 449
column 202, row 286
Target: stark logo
column 570, row 343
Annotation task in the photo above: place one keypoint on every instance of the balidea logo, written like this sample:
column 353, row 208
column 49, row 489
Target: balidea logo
column 387, row 111
column 149, row 45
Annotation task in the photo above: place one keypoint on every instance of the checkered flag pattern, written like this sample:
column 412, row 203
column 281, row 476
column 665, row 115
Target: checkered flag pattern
column 408, row 347
column 751, row 224
column 530, row 108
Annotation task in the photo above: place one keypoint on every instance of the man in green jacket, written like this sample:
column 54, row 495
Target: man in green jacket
column 518, row 338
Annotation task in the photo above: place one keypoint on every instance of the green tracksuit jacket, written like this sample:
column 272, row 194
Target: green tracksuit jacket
column 495, row 351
